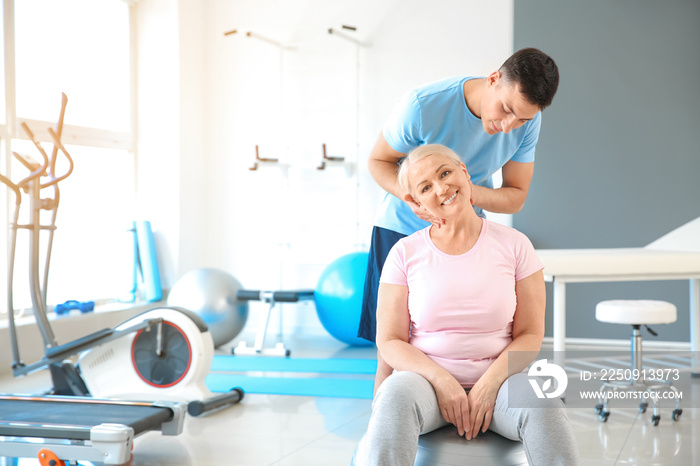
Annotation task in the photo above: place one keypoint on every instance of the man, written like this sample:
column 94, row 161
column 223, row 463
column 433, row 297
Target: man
column 492, row 122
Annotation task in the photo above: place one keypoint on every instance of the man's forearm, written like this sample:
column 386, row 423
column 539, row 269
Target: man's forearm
column 384, row 173
column 505, row 200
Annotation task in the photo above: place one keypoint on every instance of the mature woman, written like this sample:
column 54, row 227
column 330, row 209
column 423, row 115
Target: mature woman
column 454, row 300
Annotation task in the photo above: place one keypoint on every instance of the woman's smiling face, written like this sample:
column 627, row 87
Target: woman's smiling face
column 440, row 185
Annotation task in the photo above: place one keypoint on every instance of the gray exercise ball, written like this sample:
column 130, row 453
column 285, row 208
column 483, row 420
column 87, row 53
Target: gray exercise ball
column 211, row 294
column 444, row 446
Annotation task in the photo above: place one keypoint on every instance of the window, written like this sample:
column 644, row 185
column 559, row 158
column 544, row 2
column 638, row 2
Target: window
column 81, row 48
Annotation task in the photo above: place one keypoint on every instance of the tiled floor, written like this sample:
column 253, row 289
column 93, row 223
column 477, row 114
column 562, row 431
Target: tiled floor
column 306, row 431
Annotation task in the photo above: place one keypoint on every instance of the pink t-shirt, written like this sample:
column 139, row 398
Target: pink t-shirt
column 462, row 306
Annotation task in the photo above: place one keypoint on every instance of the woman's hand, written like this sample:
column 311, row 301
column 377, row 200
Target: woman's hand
column 453, row 402
column 482, row 399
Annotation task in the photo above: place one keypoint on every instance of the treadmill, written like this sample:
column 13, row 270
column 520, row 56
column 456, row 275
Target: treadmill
column 68, row 428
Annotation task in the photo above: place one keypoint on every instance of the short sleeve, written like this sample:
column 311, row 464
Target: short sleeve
column 402, row 130
column 526, row 151
column 394, row 270
column 526, row 260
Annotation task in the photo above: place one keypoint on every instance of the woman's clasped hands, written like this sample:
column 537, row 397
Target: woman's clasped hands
column 471, row 412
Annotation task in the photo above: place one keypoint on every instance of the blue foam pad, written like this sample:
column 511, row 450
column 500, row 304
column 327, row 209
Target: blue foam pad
column 149, row 261
column 300, row 386
column 223, row 363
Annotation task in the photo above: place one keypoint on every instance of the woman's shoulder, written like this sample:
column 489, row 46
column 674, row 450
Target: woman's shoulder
column 414, row 240
column 504, row 233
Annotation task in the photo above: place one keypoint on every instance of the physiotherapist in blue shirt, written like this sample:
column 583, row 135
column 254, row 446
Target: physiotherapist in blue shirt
column 492, row 123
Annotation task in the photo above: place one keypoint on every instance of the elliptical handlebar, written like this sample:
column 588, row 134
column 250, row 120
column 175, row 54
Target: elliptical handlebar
column 32, row 186
column 13, row 187
column 48, row 168
column 58, row 145
column 59, row 132
column 29, row 162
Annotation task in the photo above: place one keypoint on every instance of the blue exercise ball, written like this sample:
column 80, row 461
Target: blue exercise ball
column 338, row 297
column 211, row 293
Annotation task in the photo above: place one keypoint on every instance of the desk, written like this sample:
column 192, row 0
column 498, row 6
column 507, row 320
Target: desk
column 562, row 266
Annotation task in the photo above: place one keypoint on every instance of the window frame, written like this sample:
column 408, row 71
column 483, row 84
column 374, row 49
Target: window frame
column 11, row 129
column 78, row 135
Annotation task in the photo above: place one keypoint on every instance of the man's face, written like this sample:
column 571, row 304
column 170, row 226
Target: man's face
column 503, row 107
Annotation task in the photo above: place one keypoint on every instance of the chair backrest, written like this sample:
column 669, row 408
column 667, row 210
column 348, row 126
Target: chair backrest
column 684, row 238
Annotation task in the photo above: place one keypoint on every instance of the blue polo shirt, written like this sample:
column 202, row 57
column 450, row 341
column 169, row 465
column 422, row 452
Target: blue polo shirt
column 437, row 113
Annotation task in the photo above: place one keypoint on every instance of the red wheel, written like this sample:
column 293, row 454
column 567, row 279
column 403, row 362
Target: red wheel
column 161, row 355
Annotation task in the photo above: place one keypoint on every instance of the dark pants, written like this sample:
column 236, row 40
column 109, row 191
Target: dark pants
column 382, row 242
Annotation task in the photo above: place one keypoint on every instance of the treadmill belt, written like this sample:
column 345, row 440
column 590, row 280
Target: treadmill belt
column 80, row 413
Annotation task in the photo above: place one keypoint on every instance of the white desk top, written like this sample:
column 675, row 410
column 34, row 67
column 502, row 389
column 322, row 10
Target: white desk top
column 597, row 265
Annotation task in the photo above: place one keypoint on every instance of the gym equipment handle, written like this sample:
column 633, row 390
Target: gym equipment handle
column 282, row 296
column 197, row 407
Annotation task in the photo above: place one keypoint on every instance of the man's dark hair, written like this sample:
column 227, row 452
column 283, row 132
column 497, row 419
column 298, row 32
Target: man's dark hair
column 535, row 72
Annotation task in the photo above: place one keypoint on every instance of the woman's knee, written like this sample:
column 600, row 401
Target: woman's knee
column 402, row 387
column 405, row 392
column 519, row 403
column 548, row 415
column 402, row 403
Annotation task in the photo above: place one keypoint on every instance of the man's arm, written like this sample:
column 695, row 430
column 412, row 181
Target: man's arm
column 511, row 196
column 382, row 166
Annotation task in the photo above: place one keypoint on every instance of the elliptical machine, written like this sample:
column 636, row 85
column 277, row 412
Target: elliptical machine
column 162, row 354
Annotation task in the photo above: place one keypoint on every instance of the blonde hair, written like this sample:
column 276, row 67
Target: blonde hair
column 419, row 153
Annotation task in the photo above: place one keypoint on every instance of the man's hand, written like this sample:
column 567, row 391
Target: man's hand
column 421, row 213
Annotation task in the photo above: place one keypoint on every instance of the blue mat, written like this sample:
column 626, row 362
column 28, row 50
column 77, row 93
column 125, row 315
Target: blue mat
column 272, row 364
column 229, row 371
column 301, row 386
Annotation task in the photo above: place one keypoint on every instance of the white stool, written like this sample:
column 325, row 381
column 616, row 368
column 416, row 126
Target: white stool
column 637, row 313
column 444, row 446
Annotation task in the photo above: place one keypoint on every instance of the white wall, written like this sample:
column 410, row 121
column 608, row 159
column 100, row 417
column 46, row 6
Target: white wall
column 172, row 165
column 159, row 189
column 273, row 228
column 194, row 161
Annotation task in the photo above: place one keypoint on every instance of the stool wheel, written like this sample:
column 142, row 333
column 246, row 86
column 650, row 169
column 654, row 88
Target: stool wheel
column 676, row 414
column 599, row 408
column 643, row 407
column 655, row 419
column 604, row 416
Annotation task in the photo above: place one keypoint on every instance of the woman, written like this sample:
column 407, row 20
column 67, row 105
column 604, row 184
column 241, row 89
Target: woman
column 454, row 300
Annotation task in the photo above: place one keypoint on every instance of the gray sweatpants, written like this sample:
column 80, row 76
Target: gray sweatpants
column 406, row 406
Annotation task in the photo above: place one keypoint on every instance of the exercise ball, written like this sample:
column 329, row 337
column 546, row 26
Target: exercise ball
column 444, row 446
column 338, row 297
column 211, row 294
